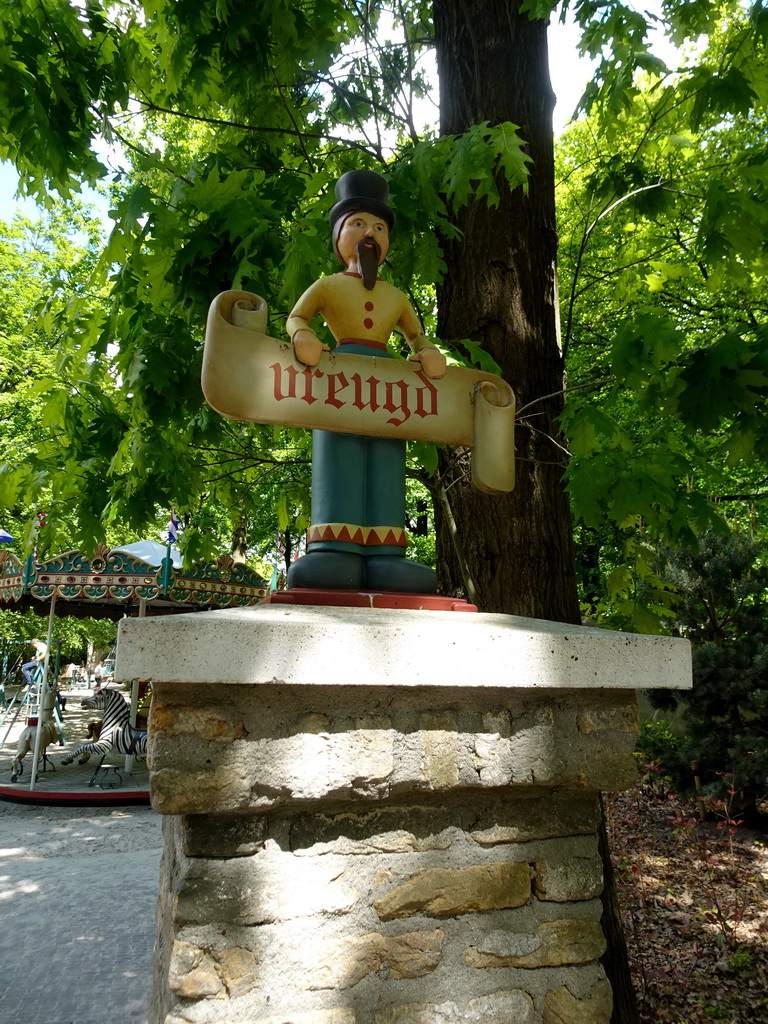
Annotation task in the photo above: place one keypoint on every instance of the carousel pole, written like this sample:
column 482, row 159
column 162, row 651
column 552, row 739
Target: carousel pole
column 135, row 685
column 43, row 689
column 167, row 567
column 57, row 711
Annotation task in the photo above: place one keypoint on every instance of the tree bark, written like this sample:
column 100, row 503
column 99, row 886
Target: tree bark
column 614, row 960
column 240, row 540
column 500, row 290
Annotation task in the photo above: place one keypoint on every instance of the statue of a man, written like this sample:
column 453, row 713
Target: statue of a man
column 357, row 538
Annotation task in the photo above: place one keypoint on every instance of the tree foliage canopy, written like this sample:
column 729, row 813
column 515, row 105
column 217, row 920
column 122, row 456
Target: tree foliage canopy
column 665, row 325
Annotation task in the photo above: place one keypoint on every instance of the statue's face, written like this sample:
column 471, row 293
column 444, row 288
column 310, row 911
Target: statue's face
column 358, row 227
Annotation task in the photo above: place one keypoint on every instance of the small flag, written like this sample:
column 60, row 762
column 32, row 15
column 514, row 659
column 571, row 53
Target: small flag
column 5, row 538
column 173, row 529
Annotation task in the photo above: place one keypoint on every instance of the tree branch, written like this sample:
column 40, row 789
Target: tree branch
column 148, row 105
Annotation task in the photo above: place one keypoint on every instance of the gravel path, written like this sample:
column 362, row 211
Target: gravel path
column 78, row 888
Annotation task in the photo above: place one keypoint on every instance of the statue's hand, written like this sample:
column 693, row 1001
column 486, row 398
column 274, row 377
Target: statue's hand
column 307, row 347
column 432, row 361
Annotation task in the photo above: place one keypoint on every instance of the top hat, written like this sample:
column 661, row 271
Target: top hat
column 361, row 192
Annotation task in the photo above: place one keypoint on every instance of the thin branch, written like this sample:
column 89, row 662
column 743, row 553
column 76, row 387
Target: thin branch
column 458, row 547
column 543, row 433
column 148, row 105
column 458, row 480
column 344, row 95
column 594, row 279
column 142, row 152
column 739, row 497
column 565, row 391
column 623, row 199
column 347, row 95
column 299, row 134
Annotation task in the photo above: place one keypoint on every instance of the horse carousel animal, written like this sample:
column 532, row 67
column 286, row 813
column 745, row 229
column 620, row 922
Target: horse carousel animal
column 116, row 732
column 49, row 731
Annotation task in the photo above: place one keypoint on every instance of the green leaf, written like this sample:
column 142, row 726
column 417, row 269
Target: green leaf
column 643, row 344
column 283, row 516
column 425, row 455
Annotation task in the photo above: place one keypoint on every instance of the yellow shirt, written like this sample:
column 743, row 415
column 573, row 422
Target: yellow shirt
column 351, row 311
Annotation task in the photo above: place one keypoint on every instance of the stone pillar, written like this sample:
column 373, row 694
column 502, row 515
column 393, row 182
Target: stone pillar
column 385, row 817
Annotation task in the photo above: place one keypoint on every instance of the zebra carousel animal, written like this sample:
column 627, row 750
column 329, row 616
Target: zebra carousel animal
column 117, row 734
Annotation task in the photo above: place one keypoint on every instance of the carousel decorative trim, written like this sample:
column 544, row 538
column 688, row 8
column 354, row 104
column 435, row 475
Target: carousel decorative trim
column 11, row 576
column 113, row 577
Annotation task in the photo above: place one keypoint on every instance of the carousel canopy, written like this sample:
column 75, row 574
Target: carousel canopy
column 113, row 582
column 151, row 552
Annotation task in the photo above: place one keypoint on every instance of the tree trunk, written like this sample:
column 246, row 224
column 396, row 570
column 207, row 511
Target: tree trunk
column 500, row 290
column 614, row 960
column 240, row 540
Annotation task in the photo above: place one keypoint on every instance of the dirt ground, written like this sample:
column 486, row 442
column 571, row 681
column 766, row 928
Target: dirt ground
column 694, row 897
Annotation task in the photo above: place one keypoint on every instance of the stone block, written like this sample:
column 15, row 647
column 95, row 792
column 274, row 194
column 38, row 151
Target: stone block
column 179, row 791
column 483, row 817
column 344, row 963
column 368, row 829
column 283, row 758
column 607, row 770
column 393, row 648
column 193, row 973
column 219, row 724
column 237, row 968
column 612, row 718
column 197, row 973
column 554, row 944
column 545, row 816
column 336, row 1015
column 579, row 878
column 262, row 890
column 399, row 841
column 438, row 733
column 562, row 1007
column 220, row 835
column 505, row 1007
column 446, row 892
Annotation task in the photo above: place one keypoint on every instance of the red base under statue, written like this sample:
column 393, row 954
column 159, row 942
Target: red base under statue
column 366, row 599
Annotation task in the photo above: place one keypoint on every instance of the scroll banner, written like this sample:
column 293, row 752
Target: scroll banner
column 249, row 376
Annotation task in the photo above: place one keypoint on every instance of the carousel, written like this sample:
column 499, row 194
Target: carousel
column 108, row 764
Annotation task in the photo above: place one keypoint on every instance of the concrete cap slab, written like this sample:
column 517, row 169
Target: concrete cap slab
column 311, row 645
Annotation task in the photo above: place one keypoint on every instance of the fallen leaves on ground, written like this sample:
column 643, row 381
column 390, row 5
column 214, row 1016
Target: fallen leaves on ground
column 694, row 898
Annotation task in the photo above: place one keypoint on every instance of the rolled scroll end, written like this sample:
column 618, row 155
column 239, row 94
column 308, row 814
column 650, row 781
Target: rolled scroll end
column 235, row 342
column 251, row 313
column 493, row 452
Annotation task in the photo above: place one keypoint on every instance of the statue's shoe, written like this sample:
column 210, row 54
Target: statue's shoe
column 328, row 570
column 397, row 573
column 343, row 570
